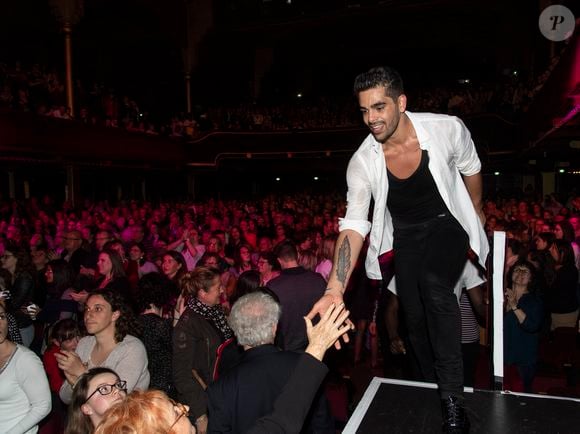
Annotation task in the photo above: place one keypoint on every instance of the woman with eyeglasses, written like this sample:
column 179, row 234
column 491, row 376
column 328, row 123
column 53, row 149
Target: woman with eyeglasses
column 108, row 321
column 95, row 392
column 152, row 412
column 24, row 390
column 148, row 412
column 268, row 266
column 524, row 314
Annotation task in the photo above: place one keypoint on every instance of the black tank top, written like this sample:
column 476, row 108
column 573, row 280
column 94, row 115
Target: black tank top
column 415, row 199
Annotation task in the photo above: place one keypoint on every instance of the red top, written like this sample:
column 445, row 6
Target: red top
column 55, row 375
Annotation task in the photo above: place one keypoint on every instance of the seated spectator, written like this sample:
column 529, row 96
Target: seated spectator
column 174, row 266
column 189, row 246
column 542, row 259
column 236, row 240
column 246, row 393
column 212, row 260
column 95, row 392
column 216, row 245
column 153, row 412
column 242, row 260
column 298, row 289
column 110, row 267
column 307, row 260
column 246, row 283
column 74, row 253
column 564, row 230
column 523, row 317
column 24, row 390
column 293, row 403
column 268, row 266
column 201, row 328
column 138, row 265
column 117, row 246
column 108, row 321
column 562, row 300
column 64, row 335
column 326, row 256
column 156, row 330
column 59, row 287
column 150, row 412
column 20, row 283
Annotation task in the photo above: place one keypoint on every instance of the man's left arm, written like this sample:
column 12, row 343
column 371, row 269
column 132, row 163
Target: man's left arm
column 474, row 186
column 469, row 165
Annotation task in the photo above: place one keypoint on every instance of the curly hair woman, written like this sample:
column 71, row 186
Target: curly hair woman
column 108, row 321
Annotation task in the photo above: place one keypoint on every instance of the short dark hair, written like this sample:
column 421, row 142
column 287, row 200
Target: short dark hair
column 381, row 76
column 271, row 259
column 286, row 251
column 65, row 329
column 533, row 286
column 152, row 291
column 247, row 282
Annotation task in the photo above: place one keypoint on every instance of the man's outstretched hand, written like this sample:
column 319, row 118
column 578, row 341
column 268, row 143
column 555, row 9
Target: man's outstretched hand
column 331, row 296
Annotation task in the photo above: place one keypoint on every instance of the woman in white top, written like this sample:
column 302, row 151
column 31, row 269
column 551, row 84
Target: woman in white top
column 24, row 391
column 108, row 321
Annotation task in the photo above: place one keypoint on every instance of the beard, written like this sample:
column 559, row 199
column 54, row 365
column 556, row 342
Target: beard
column 386, row 129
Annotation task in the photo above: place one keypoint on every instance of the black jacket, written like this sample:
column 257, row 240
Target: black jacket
column 195, row 341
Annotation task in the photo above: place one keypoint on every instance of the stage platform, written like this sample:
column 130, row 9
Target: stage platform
column 396, row 406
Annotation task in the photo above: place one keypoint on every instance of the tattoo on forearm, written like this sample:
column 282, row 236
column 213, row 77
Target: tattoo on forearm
column 343, row 262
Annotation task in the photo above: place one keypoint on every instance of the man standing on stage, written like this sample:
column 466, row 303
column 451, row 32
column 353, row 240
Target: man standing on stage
column 423, row 173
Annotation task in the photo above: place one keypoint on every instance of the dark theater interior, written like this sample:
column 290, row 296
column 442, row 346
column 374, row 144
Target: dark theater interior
column 219, row 130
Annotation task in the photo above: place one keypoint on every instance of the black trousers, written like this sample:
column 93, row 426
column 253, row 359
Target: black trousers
column 429, row 259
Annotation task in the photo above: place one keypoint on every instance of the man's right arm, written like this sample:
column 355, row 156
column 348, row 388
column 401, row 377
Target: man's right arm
column 354, row 228
column 346, row 252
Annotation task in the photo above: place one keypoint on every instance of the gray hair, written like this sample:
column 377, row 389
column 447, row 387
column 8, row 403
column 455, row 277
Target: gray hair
column 253, row 318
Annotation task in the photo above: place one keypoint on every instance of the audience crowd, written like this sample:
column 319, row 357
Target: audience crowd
column 144, row 290
column 39, row 89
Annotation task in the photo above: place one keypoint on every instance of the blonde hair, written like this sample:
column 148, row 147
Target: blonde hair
column 140, row 413
column 199, row 279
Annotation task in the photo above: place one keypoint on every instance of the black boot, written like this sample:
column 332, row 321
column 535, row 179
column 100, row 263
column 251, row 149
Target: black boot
column 455, row 420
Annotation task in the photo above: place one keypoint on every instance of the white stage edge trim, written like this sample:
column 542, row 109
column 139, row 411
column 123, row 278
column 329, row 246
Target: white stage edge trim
column 498, row 296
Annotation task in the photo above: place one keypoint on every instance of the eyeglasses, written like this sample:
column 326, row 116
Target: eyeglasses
column 183, row 411
column 522, row 270
column 107, row 389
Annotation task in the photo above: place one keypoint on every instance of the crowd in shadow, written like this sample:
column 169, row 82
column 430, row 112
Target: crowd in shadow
column 39, row 89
